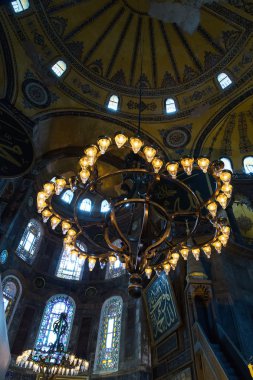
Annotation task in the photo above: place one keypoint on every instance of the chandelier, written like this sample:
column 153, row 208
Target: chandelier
column 145, row 234
column 55, row 360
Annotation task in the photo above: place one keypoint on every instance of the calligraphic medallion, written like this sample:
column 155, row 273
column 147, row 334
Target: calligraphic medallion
column 16, row 149
column 162, row 310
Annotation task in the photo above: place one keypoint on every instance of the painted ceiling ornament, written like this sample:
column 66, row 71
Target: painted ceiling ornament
column 184, row 13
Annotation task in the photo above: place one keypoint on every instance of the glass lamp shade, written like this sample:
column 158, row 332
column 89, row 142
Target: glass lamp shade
column 74, row 253
column 91, row 263
column 212, row 208
column 112, row 260
column 148, row 272
column 223, row 200
column 217, row 245
column 196, row 252
column 54, row 222
column 184, row 252
column 166, row 268
column 84, row 162
column 60, row 183
column 103, row 144
column 65, row 227
column 48, row 188
column 120, row 139
column 187, row 164
column 42, row 195
column 225, row 230
column 136, row 144
column 41, row 205
column 227, row 189
column 149, row 152
column 203, row 163
column 91, row 151
column 225, row 176
column 223, row 239
column 207, row 250
column 46, row 214
column 157, row 164
column 84, row 175
column 172, row 168
column 71, row 233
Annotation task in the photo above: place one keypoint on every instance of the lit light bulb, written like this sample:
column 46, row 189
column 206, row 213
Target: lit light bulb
column 175, row 256
column 84, row 162
column 225, row 176
column 157, row 164
column 149, row 152
column 225, row 230
column 187, row 163
column 67, row 240
column 173, row 263
column 166, row 268
column 203, row 163
column 136, row 144
column 46, row 214
column 41, row 205
column 54, row 222
column 212, row 208
column 120, row 139
column 112, row 260
column 148, row 272
column 48, row 188
column 42, row 195
column 103, row 144
column 196, row 252
column 172, row 168
column 217, row 245
column 84, row 175
column 60, row 183
column 184, row 252
column 223, row 239
column 207, row 249
column 71, row 233
column 227, row 189
column 65, row 227
column 91, row 151
column 223, row 200
column 92, row 263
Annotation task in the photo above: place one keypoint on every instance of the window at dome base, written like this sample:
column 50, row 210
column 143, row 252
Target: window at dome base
column 20, row 5
column 70, row 266
column 67, row 196
column 105, row 206
column 227, row 163
column 30, row 241
column 55, row 306
column 224, row 80
column 85, row 205
column 170, row 106
column 113, row 103
column 59, row 68
column 248, row 164
column 108, row 343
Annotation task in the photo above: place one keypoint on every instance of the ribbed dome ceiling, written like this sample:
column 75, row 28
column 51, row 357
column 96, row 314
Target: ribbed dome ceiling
column 102, row 40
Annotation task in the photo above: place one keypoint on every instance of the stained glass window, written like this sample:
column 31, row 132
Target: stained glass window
column 67, row 196
column 70, row 266
column 85, row 205
column 3, row 256
column 224, row 80
column 108, row 343
column 170, row 106
column 113, row 103
column 12, row 290
column 30, row 241
column 56, row 305
column 116, row 270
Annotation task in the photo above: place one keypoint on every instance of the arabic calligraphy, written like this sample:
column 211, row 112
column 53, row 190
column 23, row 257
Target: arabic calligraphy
column 162, row 309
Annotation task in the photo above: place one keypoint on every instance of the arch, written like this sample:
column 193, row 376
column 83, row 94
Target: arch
column 113, row 103
column 12, row 290
column 70, row 266
column 57, row 304
column 20, row 5
column 170, row 106
column 85, row 205
column 67, row 196
column 59, row 68
column 224, row 80
column 227, row 163
column 30, row 241
column 108, row 342
column 105, row 206
column 248, row 164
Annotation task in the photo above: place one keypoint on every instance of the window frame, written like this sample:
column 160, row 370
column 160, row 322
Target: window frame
column 20, row 251
column 63, row 253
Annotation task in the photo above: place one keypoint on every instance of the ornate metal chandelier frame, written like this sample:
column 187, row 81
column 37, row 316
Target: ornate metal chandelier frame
column 145, row 259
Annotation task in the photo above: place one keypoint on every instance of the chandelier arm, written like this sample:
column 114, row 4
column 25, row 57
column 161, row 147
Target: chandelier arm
column 159, row 241
column 110, row 244
column 116, row 226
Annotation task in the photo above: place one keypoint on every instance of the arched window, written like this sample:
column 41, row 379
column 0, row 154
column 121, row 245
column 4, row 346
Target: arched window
column 170, row 106
column 70, row 266
column 105, row 206
column 20, row 5
column 12, row 290
column 108, row 343
column 59, row 68
column 85, row 205
column 56, row 305
column 67, row 196
column 30, row 241
column 224, row 80
column 113, row 103
column 227, row 163
column 248, row 164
